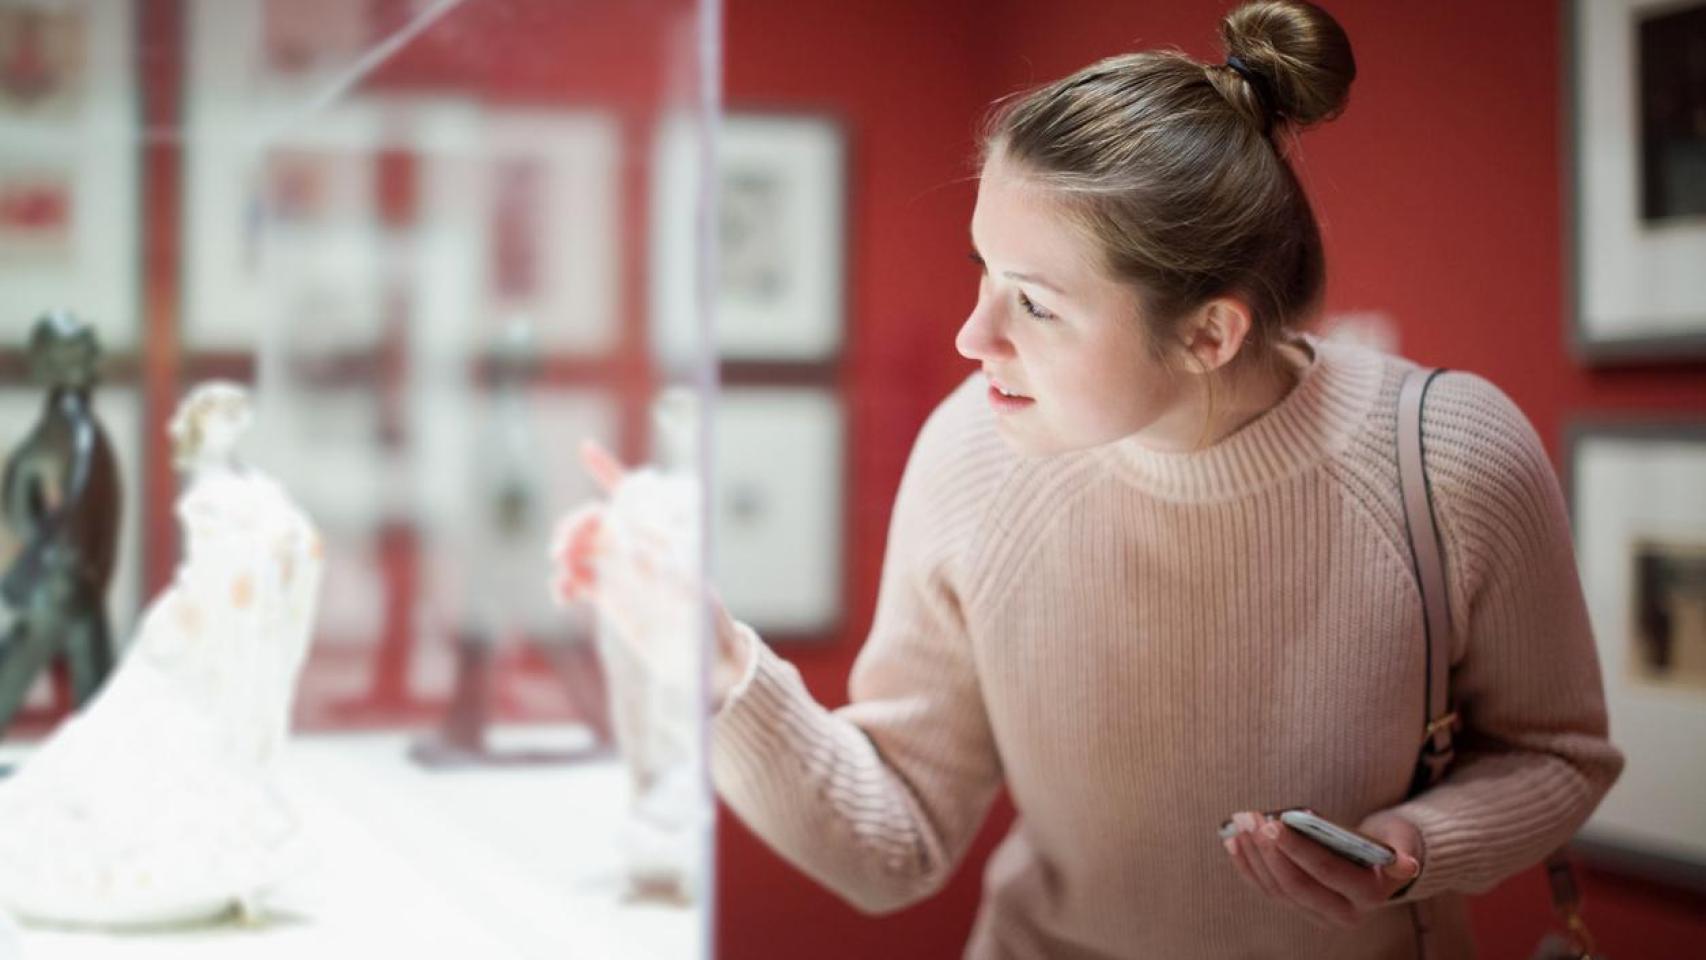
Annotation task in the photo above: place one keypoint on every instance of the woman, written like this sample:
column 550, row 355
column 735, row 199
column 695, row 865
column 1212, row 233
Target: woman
column 1148, row 568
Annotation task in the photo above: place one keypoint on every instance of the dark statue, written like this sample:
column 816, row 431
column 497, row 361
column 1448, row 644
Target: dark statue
column 59, row 500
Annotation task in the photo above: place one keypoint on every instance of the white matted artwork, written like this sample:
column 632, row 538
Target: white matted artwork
column 68, row 165
column 285, row 227
column 548, row 180
column 286, row 233
column 1639, row 502
column 781, row 225
column 120, row 411
column 777, row 485
column 1640, row 177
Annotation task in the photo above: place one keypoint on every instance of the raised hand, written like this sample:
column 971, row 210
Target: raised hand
column 635, row 557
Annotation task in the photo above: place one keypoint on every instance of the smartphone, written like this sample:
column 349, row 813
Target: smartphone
column 1358, row 848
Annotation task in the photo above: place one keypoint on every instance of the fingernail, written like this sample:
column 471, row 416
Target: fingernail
column 1271, row 830
column 1407, row 868
column 1231, row 846
column 1244, row 820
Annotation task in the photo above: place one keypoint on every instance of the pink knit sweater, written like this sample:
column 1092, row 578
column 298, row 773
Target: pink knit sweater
column 1136, row 644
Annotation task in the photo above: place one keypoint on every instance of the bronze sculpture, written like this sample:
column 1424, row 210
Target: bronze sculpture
column 60, row 500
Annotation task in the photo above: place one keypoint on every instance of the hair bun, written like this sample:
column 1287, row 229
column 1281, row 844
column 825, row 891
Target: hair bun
column 1300, row 51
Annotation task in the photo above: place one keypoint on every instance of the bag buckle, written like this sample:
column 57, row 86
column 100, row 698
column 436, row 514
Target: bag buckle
column 1444, row 722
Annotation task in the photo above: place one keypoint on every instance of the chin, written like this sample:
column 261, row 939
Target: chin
column 1027, row 443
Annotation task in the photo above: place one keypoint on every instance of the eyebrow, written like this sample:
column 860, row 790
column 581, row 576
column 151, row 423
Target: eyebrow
column 1026, row 277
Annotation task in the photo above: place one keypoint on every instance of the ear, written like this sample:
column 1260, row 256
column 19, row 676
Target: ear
column 1214, row 336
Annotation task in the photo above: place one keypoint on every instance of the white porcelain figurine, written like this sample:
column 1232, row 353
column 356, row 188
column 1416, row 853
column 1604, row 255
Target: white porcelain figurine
column 641, row 546
column 158, row 802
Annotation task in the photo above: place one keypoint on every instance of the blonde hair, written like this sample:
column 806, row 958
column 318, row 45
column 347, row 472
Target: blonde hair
column 1173, row 169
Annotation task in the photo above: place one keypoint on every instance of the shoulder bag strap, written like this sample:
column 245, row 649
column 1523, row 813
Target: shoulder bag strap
column 1428, row 564
column 1427, row 557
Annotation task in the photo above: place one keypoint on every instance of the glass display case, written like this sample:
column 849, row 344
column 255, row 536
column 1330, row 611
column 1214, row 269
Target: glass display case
column 428, row 245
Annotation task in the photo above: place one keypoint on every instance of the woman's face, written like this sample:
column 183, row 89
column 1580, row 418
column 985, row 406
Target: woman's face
column 1052, row 328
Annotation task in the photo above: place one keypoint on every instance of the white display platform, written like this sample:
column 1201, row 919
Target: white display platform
column 492, row 863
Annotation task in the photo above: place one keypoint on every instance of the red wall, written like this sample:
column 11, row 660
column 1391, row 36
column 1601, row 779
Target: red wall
column 1439, row 193
column 905, row 81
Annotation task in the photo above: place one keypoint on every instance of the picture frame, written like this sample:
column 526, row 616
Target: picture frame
column 1636, row 176
column 287, row 232
column 69, row 175
column 1638, row 506
column 777, row 527
column 548, row 182
column 781, row 210
column 295, row 244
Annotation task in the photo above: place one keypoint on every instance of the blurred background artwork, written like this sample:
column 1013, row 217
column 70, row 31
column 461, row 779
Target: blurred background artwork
column 69, row 165
column 779, row 291
column 1638, row 83
column 1640, row 522
column 778, row 428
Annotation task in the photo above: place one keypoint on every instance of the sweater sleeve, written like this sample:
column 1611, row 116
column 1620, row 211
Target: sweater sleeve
column 879, row 799
column 1533, row 758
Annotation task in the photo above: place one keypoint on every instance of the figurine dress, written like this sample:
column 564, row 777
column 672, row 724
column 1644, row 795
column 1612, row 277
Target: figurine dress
column 158, row 803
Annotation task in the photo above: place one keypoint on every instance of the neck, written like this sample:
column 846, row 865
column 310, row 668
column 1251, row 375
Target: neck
column 1238, row 395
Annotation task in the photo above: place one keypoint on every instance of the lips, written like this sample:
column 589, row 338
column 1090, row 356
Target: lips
column 1003, row 401
column 1003, row 389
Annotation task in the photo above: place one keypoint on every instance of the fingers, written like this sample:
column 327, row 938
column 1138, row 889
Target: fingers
column 601, row 465
column 1402, row 836
column 1244, row 855
column 573, row 547
column 1297, row 885
column 1362, row 886
column 1242, row 863
column 1395, row 877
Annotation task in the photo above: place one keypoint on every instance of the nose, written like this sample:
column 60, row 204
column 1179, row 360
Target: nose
column 980, row 338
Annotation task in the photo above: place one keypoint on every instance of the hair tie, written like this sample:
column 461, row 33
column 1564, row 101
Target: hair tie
column 1259, row 83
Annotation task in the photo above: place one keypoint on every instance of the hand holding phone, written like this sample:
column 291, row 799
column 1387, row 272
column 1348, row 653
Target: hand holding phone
column 1335, row 874
column 1358, row 848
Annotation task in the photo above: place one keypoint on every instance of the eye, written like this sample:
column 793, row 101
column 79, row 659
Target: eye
column 1033, row 309
column 975, row 258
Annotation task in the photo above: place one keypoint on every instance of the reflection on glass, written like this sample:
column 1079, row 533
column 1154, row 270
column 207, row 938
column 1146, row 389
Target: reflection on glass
column 422, row 232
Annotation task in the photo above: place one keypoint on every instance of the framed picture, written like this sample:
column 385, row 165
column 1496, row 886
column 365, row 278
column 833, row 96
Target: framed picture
column 777, row 500
column 552, row 246
column 313, row 226
column 1638, row 495
column 780, row 234
column 1639, row 178
column 292, row 234
column 68, row 166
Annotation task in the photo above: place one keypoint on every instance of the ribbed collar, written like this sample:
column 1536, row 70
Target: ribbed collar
column 1316, row 419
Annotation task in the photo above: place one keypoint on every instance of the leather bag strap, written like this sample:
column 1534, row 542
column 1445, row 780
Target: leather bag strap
column 1427, row 555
